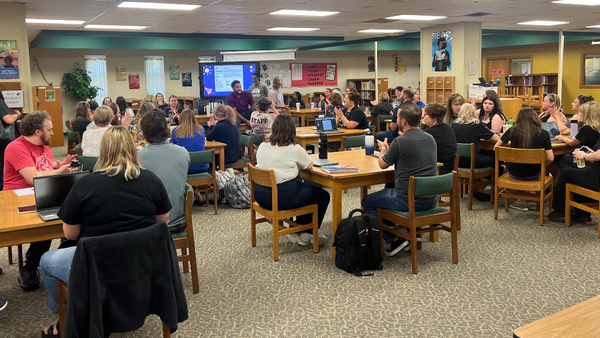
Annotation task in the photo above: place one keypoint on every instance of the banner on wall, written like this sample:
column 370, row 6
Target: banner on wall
column 313, row 74
column 441, row 50
column 134, row 81
column 9, row 59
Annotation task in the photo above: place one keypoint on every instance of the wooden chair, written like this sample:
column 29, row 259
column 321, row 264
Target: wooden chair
column 68, row 124
column 87, row 162
column 258, row 139
column 592, row 207
column 204, row 182
column 353, row 142
column 379, row 120
column 471, row 177
column 411, row 220
column 275, row 216
column 19, row 256
column 74, row 140
column 245, row 142
column 512, row 188
column 447, row 204
column 184, row 241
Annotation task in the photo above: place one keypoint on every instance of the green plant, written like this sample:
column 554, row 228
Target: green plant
column 79, row 83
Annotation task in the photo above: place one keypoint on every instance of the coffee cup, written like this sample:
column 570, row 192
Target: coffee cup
column 505, row 127
column 580, row 163
column 297, row 105
column 312, row 105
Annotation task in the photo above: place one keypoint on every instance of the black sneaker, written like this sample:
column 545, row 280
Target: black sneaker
column 29, row 279
column 481, row 197
column 396, row 246
column 557, row 216
column 581, row 218
column 3, row 304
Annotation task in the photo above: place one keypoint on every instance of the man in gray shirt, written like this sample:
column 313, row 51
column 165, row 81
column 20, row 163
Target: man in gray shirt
column 412, row 154
column 167, row 161
column 258, row 89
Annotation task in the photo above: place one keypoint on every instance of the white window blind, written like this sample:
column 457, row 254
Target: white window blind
column 96, row 65
column 155, row 74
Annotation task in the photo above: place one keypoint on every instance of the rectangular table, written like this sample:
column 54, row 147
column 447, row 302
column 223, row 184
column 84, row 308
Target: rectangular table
column 557, row 148
column 218, row 148
column 303, row 114
column 308, row 135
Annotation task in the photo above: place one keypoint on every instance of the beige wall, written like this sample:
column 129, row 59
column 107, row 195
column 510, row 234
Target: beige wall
column 14, row 28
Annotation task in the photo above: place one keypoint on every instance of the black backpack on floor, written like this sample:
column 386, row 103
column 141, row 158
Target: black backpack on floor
column 358, row 244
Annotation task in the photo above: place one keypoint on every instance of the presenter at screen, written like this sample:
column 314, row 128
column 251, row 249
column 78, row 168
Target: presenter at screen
column 242, row 103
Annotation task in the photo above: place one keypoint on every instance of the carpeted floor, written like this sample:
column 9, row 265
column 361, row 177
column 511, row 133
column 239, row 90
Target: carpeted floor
column 511, row 272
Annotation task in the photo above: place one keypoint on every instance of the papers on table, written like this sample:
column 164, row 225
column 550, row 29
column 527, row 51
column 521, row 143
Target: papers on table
column 24, row 192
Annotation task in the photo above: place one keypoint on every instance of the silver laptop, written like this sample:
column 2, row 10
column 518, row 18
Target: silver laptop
column 320, row 162
column 51, row 191
column 326, row 125
column 552, row 129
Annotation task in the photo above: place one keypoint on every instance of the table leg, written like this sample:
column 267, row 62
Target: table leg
column 222, row 159
column 336, row 208
column 364, row 191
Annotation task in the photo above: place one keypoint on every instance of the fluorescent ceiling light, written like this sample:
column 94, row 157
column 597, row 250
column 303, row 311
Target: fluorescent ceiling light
column 155, row 5
column 302, row 12
column 372, row 30
column 416, row 17
column 594, row 26
column 55, row 22
column 293, row 29
column 595, row 42
column 543, row 23
column 578, row 2
column 113, row 27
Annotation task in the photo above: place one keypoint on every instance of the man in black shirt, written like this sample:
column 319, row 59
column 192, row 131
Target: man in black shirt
column 407, row 97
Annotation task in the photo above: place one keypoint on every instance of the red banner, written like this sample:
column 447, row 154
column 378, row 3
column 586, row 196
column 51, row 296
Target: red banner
column 313, row 74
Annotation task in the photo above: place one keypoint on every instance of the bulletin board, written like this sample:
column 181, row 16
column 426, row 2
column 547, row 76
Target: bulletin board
column 313, row 74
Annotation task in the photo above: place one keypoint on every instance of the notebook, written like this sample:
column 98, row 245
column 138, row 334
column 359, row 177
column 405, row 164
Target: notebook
column 326, row 125
column 51, row 191
column 552, row 129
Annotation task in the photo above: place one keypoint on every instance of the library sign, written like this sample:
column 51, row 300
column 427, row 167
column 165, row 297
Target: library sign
column 313, row 74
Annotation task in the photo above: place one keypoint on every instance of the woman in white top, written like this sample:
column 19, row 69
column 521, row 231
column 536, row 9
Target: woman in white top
column 286, row 158
column 90, row 144
column 276, row 94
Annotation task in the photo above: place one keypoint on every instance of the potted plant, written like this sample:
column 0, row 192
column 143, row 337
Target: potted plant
column 79, row 83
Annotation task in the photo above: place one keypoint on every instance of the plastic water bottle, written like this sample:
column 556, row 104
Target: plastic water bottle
column 574, row 128
column 510, row 121
column 369, row 143
column 323, row 144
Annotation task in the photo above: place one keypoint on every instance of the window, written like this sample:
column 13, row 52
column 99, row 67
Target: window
column 96, row 66
column 590, row 70
column 155, row 75
column 520, row 66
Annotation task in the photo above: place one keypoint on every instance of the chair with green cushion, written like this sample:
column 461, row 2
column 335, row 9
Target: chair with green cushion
column 68, row 124
column 258, row 139
column 428, row 221
column 74, row 139
column 204, row 182
column 87, row 162
column 352, row 142
column 245, row 142
column 471, row 177
column 381, row 120
column 184, row 241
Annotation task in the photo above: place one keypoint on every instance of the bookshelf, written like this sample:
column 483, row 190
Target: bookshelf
column 530, row 87
column 439, row 89
column 366, row 89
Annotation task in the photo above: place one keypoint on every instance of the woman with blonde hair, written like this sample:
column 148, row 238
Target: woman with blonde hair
column 468, row 129
column 90, row 143
column 190, row 135
column 222, row 128
column 144, row 109
column 117, row 177
column 276, row 94
column 150, row 98
column 587, row 136
column 383, row 107
column 80, row 120
column 455, row 101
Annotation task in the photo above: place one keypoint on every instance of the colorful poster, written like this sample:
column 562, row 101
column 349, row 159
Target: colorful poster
column 313, row 74
column 497, row 71
column 50, row 95
column 134, row 81
column 441, row 51
column 186, row 79
column 9, row 59
column 399, row 65
column 371, row 64
column 174, row 72
column 121, row 71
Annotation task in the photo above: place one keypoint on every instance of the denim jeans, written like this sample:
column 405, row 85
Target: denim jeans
column 389, row 134
column 55, row 265
column 388, row 198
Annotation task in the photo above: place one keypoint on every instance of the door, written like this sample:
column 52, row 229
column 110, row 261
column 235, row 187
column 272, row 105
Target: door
column 498, row 68
column 48, row 99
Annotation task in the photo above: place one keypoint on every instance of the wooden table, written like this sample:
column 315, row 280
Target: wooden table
column 18, row 228
column 219, row 148
column 303, row 114
column 578, row 321
column 370, row 174
column 202, row 118
column 308, row 135
column 557, row 148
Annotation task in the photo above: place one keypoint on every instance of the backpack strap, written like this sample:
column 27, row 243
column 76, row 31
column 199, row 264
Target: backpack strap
column 362, row 242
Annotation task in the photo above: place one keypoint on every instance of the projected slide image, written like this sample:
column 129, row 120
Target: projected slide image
column 224, row 75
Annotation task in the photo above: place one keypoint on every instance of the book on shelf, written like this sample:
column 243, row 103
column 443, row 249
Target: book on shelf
column 340, row 169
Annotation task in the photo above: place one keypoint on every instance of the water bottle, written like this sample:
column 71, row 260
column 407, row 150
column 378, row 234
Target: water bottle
column 323, row 147
column 369, row 143
column 574, row 128
column 510, row 121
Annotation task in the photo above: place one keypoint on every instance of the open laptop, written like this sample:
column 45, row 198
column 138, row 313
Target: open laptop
column 326, row 125
column 51, row 191
column 552, row 129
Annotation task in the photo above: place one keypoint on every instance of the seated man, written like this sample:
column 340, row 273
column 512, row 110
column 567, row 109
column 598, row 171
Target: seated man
column 262, row 120
column 242, row 103
column 27, row 157
column 169, row 162
column 406, row 96
column 412, row 154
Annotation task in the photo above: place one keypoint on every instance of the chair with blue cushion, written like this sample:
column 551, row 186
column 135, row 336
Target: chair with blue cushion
column 241, row 164
column 428, row 221
column 471, row 177
column 87, row 162
column 184, row 241
column 204, row 182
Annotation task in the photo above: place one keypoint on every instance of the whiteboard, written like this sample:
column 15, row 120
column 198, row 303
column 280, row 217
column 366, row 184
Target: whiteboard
column 14, row 98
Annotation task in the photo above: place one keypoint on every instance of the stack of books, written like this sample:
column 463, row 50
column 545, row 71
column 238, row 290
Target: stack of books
column 340, row 169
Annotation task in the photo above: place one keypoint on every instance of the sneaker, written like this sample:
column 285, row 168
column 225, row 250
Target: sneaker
column 294, row 238
column 29, row 279
column 407, row 247
column 308, row 237
column 519, row 206
column 3, row 304
column 396, row 246
column 581, row 218
column 557, row 216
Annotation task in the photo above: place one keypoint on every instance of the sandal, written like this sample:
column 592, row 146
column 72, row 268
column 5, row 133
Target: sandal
column 51, row 334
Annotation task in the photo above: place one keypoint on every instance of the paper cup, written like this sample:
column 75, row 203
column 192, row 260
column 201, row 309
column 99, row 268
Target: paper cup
column 312, row 105
column 505, row 127
column 297, row 105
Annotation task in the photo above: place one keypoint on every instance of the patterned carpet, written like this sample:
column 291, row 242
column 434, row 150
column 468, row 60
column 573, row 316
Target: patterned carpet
column 511, row 272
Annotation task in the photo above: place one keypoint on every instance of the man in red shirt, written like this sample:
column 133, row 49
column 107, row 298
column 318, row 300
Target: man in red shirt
column 27, row 157
column 242, row 103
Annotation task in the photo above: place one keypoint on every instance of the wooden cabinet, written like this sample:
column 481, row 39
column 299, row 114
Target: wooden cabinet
column 366, row 89
column 439, row 89
column 530, row 87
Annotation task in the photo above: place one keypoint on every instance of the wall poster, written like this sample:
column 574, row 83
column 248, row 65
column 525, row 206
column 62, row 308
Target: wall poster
column 9, row 59
column 134, row 81
column 441, row 51
column 313, row 74
column 371, row 64
column 174, row 72
column 186, row 79
column 121, row 71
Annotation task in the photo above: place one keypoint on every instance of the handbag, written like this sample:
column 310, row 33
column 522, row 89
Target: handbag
column 7, row 133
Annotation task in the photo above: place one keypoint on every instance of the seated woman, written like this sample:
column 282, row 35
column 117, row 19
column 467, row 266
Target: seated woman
column 144, row 109
column 417, row 100
column 123, row 108
column 190, row 135
column 354, row 118
column 81, row 121
column 297, row 98
column 455, row 101
column 149, row 98
column 282, row 155
column 90, row 143
column 576, row 106
column 222, row 128
column 106, row 101
column 336, row 103
column 172, row 111
column 443, row 135
column 262, row 120
column 491, row 115
column 117, row 177
column 383, row 107
column 588, row 134
column 526, row 133
column 160, row 101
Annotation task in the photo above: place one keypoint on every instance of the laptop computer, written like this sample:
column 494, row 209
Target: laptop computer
column 321, row 162
column 326, row 125
column 552, row 129
column 51, row 191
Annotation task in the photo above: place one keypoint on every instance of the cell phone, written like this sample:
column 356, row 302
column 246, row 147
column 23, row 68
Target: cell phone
column 585, row 149
column 26, row 209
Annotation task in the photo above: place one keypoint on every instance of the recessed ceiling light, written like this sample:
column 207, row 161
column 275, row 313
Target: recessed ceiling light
column 154, row 5
column 55, row 22
column 302, row 12
column 595, row 42
column 594, row 26
column 543, row 23
column 293, row 29
column 372, row 30
column 416, row 17
column 113, row 27
column 578, row 2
